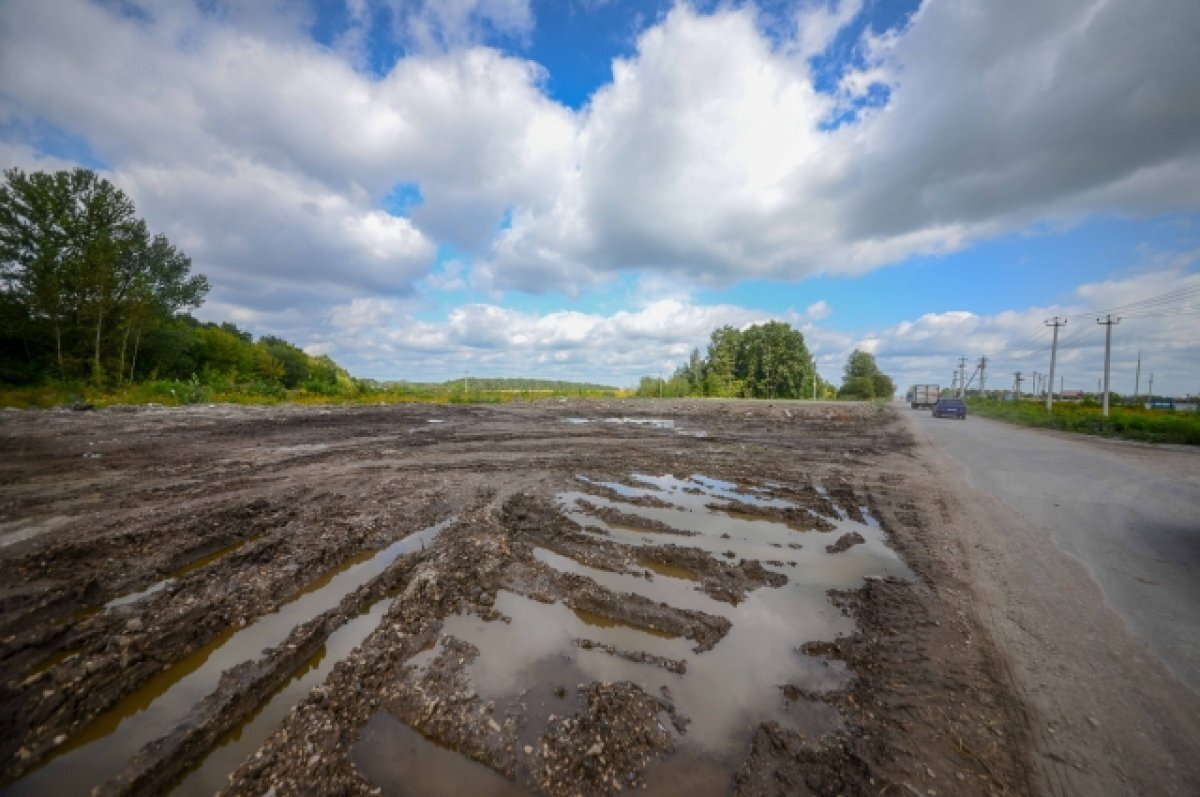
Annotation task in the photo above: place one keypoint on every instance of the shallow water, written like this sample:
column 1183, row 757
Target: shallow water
column 726, row 692
column 15, row 531
column 243, row 740
column 102, row 748
column 403, row 763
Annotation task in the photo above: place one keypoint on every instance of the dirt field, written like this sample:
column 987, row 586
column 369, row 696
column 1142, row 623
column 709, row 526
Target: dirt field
column 550, row 598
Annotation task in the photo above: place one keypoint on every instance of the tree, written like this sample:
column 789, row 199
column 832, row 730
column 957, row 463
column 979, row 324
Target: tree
column 762, row 361
column 862, row 378
column 78, row 265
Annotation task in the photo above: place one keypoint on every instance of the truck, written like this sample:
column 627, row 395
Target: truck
column 923, row 396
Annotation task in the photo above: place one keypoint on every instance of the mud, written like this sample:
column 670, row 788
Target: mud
column 693, row 597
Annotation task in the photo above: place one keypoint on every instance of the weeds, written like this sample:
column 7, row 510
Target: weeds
column 1133, row 423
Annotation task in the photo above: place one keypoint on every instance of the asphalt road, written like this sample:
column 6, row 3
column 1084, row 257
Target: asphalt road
column 1130, row 512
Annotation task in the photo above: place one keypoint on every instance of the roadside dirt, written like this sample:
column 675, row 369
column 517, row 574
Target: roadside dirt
column 556, row 628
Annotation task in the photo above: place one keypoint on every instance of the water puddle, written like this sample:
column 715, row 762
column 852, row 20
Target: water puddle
column 665, row 587
column 50, row 662
column 603, row 621
column 725, row 692
column 179, row 572
column 101, row 749
column 670, row 571
column 649, row 423
column 15, row 531
column 241, row 741
column 403, row 763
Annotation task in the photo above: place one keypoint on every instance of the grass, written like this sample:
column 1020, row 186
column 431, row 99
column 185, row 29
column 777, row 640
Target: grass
column 1132, row 423
column 174, row 393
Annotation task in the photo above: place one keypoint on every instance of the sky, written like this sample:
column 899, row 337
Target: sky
column 586, row 189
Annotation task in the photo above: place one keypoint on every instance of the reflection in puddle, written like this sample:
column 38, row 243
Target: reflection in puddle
column 670, row 571
column 403, row 763
column 239, row 742
column 101, row 749
column 725, row 692
column 601, row 621
column 684, row 595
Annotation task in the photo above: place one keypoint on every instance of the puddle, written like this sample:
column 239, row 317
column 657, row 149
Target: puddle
column 303, row 448
column 15, row 531
column 50, row 662
column 241, row 741
column 101, row 749
column 653, row 423
column 721, row 530
column 727, row 691
column 670, row 571
column 180, row 572
column 403, row 763
column 601, row 621
column 665, row 587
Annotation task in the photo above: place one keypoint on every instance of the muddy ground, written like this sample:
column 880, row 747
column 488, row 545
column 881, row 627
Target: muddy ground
column 223, row 515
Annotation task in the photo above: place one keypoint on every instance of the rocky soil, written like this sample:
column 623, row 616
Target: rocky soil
column 228, row 513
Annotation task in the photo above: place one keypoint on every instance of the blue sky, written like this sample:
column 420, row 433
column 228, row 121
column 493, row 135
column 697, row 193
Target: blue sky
column 584, row 189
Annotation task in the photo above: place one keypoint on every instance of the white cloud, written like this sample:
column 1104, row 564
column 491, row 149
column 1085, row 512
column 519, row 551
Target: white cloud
column 442, row 24
column 268, row 154
column 384, row 341
column 818, row 22
column 707, row 155
column 1161, row 329
column 706, row 161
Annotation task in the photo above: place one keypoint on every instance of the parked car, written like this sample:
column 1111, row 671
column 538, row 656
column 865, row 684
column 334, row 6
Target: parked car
column 950, row 408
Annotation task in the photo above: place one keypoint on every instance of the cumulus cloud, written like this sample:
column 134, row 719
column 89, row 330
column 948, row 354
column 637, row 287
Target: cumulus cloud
column 710, row 158
column 384, row 340
column 267, row 155
column 442, row 24
column 1157, row 311
column 710, row 153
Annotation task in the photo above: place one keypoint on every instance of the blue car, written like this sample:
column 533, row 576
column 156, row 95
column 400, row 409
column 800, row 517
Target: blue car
column 950, row 408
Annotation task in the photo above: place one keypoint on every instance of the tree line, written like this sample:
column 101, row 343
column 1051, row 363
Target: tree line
column 766, row 361
column 87, row 293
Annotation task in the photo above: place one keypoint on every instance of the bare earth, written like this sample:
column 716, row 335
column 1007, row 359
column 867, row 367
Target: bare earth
column 551, row 598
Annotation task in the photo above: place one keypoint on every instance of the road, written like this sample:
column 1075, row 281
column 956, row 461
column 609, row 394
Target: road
column 1083, row 556
column 1129, row 511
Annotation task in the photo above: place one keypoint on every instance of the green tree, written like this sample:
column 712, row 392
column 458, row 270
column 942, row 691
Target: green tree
column 721, row 372
column 862, row 378
column 776, row 361
column 78, row 264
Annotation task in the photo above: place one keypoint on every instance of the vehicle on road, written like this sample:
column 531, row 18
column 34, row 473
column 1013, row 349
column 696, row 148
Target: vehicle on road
column 950, row 408
column 923, row 396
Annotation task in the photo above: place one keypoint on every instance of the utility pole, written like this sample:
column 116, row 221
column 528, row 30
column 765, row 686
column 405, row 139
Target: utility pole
column 1055, row 322
column 1017, row 382
column 983, row 376
column 1137, row 378
column 1152, row 386
column 962, row 379
column 1037, row 384
column 1108, row 325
